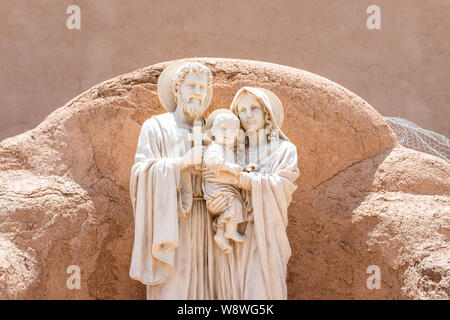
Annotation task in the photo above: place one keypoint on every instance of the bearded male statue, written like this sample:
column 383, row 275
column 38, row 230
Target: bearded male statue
column 173, row 244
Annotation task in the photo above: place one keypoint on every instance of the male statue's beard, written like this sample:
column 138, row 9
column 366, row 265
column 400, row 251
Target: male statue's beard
column 194, row 111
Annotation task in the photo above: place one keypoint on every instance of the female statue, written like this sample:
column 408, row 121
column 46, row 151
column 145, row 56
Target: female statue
column 257, row 268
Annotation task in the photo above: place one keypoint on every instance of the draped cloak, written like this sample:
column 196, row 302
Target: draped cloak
column 173, row 246
column 257, row 268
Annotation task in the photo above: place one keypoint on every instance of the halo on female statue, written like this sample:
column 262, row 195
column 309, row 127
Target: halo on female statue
column 269, row 101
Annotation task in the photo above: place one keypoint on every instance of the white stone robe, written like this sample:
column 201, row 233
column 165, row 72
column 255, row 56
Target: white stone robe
column 257, row 268
column 173, row 244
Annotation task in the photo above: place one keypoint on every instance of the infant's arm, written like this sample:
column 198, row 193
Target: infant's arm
column 231, row 167
column 213, row 158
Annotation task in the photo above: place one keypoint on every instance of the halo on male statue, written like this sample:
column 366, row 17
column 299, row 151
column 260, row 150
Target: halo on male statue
column 166, row 94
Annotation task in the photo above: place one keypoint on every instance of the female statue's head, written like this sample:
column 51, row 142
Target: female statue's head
column 251, row 113
column 258, row 108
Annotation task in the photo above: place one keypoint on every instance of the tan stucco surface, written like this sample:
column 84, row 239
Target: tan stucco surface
column 362, row 199
column 402, row 70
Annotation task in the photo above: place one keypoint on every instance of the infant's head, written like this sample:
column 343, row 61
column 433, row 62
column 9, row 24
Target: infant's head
column 225, row 128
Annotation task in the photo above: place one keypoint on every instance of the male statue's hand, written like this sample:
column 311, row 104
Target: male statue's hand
column 194, row 157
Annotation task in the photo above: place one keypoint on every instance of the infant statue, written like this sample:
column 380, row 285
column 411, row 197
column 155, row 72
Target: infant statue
column 220, row 156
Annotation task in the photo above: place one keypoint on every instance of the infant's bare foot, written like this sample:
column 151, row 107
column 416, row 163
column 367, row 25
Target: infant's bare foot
column 223, row 243
column 235, row 236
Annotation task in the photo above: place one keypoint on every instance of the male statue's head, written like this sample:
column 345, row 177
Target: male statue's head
column 192, row 88
column 186, row 89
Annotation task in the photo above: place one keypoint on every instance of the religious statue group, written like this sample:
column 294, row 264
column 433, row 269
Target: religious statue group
column 210, row 196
